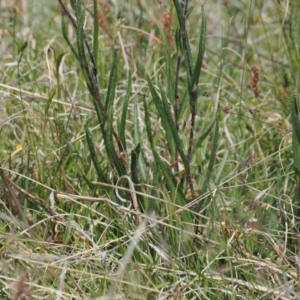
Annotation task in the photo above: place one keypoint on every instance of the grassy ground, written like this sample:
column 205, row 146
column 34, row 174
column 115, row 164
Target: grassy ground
column 101, row 203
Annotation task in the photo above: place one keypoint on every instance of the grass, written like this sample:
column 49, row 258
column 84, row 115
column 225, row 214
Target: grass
column 150, row 153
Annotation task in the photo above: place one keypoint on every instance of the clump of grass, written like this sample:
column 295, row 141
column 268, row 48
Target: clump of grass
column 142, row 159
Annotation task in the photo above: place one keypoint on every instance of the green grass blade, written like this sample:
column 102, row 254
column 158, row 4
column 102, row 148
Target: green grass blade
column 122, row 125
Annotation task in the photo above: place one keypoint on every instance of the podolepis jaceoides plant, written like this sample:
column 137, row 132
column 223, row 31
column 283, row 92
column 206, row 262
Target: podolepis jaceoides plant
column 114, row 140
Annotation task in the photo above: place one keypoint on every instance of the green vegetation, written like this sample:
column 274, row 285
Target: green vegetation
column 150, row 150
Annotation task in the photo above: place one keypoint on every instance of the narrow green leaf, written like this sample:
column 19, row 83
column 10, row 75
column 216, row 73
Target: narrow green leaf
column 78, row 6
column 170, row 72
column 122, row 125
column 178, row 40
column 80, row 46
column 164, row 121
column 185, row 41
column 134, row 163
column 174, row 131
column 201, row 50
column 298, row 33
column 136, row 129
column 148, row 124
column 214, row 148
column 100, row 117
column 96, row 32
column 221, row 168
column 58, row 60
column 205, row 133
column 80, row 39
column 294, row 116
column 93, row 154
column 143, row 168
column 134, row 175
column 295, row 132
column 154, row 205
column 212, row 158
column 183, row 103
column 109, row 145
column 50, row 98
column 23, row 47
column 179, row 13
column 65, row 35
column 73, row 4
column 112, row 83
column 296, row 151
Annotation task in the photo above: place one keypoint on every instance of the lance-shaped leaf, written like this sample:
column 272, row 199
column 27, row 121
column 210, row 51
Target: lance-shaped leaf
column 94, row 157
column 201, row 50
column 159, row 106
column 109, row 145
column 122, row 124
column 66, row 37
column 211, row 164
column 294, row 116
column 174, row 131
column 112, row 83
column 205, row 132
column 96, row 32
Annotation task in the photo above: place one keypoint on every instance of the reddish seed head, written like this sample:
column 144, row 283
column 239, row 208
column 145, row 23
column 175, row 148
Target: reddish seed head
column 255, row 70
column 166, row 20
